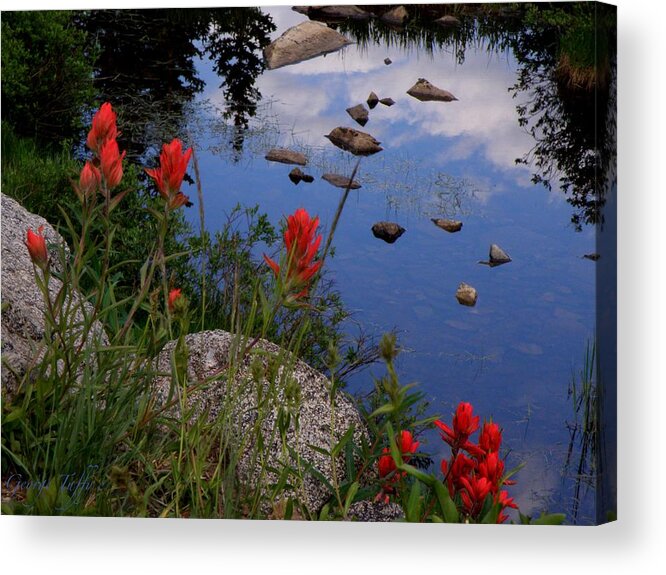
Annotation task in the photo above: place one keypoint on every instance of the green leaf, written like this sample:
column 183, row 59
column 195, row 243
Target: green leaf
column 384, row 409
column 446, row 504
column 351, row 493
column 429, row 480
column 413, row 511
column 493, row 513
column 343, row 441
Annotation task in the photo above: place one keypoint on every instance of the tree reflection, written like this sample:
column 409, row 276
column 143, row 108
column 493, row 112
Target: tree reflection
column 146, row 65
column 567, row 62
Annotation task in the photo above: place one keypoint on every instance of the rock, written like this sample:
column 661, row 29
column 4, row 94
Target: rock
column 426, row 92
column 354, row 141
column 297, row 175
column 334, row 13
column 396, row 16
column 448, row 21
column 23, row 325
column 450, row 226
column 359, row 113
column 209, row 353
column 593, row 257
column 285, row 156
column 372, row 100
column 497, row 257
column 375, row 511
column 388, row 61
column 341, row 181
column 387, row 231
column 466, row 295
column 387, row 101
column 303, row 42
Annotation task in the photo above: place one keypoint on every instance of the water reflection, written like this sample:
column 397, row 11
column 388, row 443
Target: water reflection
column 147, row 66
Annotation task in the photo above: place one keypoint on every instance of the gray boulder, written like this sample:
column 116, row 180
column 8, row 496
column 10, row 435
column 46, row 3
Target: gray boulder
column 334, row 13
column 341, row 181
column 209, row 354
column 285, row 156
column 303, row 42
column 448, row 21
column 354, row 141
column 387, row 102
column 426, row 92
column 23, row 313
column 396, row 16
column 375, row 511
column 372, row 100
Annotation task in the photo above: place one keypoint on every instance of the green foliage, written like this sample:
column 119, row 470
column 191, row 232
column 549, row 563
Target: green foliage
column 47, row 75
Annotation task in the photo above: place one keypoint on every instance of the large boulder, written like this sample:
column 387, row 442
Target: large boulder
column 303, row 42
column 23, row 306
column 254, row 375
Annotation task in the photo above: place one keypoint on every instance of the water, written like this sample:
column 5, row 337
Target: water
column 514, row 354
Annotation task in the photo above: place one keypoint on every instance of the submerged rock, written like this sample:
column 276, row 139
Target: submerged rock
column 303, row 42
column 388, row 61
column 450, row 226
column 387, row 101
column 387, row 231
column 396, row 16
column 354, row 141
column 466, row 295
column 593, row 257
column 341, row 181
column 359, row 113
column 297, row 176
column 372, row 100
column 497, row 257
column 285, row 156
column 426, row 92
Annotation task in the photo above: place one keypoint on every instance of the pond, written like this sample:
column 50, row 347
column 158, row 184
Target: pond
column 515, row 354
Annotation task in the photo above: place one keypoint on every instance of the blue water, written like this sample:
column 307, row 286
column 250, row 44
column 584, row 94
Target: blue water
column 512, row 355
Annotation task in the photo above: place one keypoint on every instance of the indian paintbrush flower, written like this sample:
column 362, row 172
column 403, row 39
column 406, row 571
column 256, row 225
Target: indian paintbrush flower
column 302, row 244
column 36, row 245
column 103, row 128
column 89, row 181
column 464, row 424
column 174, row 295
column 111, row 161
column 169, row 176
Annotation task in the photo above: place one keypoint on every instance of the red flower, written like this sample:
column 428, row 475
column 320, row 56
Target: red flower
column 174, row 294
column 506, row 501
column 169, row 176
column 103, row 128
column 475, row 489
column 89, row 181
column 36, row 245
column 464, row 424
column 490, row 437
column 302, row 246
column 407, row 445
column 112, row 163
column 492, row 468
column 386, row 463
